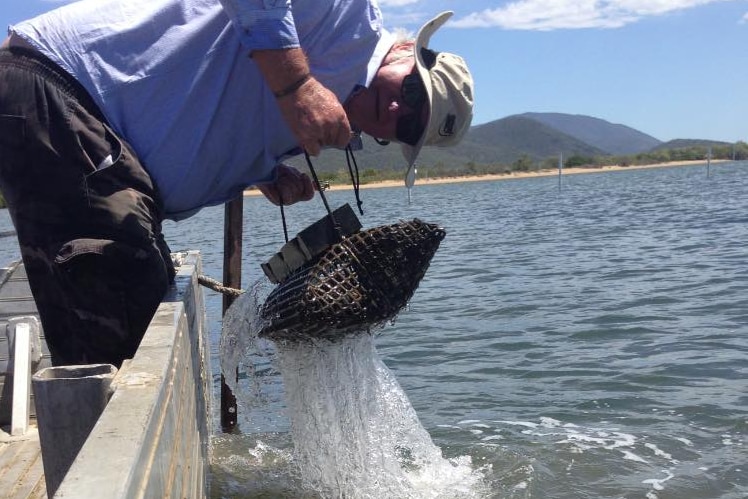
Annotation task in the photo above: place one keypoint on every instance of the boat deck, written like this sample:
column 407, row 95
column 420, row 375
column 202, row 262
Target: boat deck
column 21, row 470
column 157, row 418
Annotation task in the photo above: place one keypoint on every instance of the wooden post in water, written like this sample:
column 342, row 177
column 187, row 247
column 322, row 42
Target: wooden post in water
column 232, row 277
column 560, row 168
column 708, row 160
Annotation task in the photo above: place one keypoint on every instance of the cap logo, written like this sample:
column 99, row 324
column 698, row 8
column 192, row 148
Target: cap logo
column 448, row 128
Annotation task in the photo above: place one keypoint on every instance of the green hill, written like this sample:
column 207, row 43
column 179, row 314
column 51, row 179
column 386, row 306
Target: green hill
column 612, row 138
column 516, row 136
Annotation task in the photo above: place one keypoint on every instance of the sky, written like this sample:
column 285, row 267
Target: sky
column 673, row 69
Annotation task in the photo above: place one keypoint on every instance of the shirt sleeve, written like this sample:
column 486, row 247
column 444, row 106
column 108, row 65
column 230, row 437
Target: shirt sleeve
column 263, row 24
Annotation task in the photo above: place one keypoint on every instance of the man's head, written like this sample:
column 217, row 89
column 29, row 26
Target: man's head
column 418, row 97
column 449, row 86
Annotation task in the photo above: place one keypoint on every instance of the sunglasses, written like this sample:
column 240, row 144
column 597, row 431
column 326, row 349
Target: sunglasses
column 409, row 128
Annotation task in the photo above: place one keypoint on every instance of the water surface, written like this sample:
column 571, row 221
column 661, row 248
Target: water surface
column 583, row 342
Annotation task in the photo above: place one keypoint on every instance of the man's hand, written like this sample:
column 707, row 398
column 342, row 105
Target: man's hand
column 290, row 186
column 314, row 114
column 316, row 117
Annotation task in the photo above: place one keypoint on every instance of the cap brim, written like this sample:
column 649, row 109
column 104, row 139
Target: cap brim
column 422, row 41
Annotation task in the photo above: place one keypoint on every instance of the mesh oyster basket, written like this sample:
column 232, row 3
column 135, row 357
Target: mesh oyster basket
column 360, row 281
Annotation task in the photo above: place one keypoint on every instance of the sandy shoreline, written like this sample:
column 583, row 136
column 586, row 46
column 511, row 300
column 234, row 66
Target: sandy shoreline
column 506, row 176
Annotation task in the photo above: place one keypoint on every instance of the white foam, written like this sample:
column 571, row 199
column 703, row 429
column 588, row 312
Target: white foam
column 633, row 457
column 354, row 431
column 659, row 452
column 519, row 423
column 547, row 422
column 657, row 484
column 621, row 440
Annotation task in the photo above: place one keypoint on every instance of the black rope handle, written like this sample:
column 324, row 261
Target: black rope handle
column 316, row 182
column 355, row 180
column 335, row 223
column 283, row 216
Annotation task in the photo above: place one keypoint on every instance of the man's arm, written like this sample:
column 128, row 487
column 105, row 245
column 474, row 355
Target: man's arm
column 315, row 115
column 267, row 30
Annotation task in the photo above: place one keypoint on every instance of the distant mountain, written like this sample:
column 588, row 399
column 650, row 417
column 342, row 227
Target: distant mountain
column 515, row 136
column 609, row 137
column 686, row 143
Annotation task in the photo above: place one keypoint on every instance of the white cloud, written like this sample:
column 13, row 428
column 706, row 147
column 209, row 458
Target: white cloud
column 404, row 17
column 403, row 33
column 572, row 14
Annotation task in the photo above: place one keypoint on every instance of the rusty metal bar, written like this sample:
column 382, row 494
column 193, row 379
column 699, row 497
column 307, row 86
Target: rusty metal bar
column 232, row 277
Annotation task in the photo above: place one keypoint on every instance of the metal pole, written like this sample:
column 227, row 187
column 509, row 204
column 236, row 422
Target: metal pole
column 232, row 277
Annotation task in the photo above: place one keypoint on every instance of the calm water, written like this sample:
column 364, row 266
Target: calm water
column 583, row 343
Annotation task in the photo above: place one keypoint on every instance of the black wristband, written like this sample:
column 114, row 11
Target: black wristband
column 292, row 87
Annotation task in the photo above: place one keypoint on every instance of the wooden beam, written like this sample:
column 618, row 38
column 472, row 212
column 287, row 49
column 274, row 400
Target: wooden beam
column 232, row 277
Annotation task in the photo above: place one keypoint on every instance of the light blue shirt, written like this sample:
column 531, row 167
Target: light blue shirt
column 174, row 79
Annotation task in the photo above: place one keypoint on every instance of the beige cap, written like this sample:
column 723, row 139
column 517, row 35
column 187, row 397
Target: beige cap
column 449, row 86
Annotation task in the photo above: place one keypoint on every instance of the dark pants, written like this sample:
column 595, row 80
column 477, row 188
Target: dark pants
column 89, row 227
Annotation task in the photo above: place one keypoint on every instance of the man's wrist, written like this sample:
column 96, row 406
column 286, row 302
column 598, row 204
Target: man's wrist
column 293, row 87
column 282, row 69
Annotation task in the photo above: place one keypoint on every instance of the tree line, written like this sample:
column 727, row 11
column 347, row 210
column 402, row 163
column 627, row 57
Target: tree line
column 737, row 152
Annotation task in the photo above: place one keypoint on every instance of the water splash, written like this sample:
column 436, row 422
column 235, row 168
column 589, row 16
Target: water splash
column 355, row 433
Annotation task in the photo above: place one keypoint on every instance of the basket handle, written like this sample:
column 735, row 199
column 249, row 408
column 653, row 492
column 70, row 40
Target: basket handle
column 356, row 184
column 322, row 195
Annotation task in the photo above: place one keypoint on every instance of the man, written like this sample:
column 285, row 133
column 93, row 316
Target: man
column 115, row 114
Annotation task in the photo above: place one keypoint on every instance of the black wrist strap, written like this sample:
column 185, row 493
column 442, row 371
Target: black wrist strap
column 293, row 87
